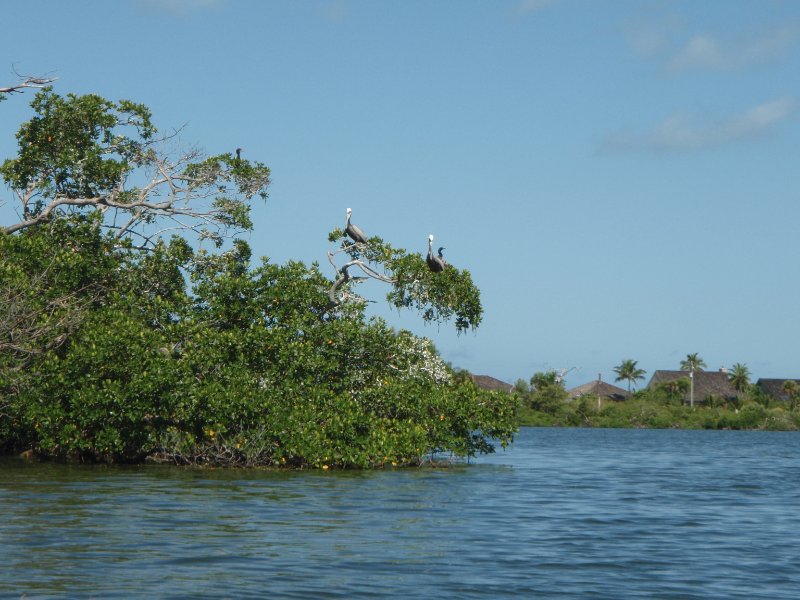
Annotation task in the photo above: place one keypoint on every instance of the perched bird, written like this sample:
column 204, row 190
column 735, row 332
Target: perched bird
column 238, row 154
column 353, row 231
column 435, row 263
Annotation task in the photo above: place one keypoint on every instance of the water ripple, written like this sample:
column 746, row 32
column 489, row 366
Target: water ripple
column 565, row 514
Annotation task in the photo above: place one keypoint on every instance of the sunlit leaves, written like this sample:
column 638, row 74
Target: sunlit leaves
column 246, row 366
column 127, row 345
column 77, row 146
column 82, row 154
column 438, row 297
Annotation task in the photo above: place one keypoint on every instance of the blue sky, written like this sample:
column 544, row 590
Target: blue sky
column 620, row 177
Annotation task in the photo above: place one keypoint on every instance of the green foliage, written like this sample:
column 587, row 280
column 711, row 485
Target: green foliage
column 661, row 407
column 82, row 154
column 693, row 362
column 628, row 371
column 674, row 390
column 74, row 146
column 740, row 377
column 249, row 368
column 792, row 391
column 544, row 393
column 655, row 409
column 116, row 351
column 47, row 283
column 438, row 297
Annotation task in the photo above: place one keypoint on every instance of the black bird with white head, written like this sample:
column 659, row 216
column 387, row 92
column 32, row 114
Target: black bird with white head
column 353, row 230
column 435, row 263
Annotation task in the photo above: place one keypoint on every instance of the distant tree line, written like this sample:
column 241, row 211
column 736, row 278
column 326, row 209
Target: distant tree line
column 544, row 401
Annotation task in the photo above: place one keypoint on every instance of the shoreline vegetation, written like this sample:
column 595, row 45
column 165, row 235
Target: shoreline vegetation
column 544, row 402
column 135, row 324
column 645, row 414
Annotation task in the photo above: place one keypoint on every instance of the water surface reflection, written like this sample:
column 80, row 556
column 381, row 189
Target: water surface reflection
column 564, row 514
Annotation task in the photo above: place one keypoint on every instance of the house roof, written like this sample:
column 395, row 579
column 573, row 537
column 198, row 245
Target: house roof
column 598, row 388
column 774, row 387
column 706, row 383
column 490, row 383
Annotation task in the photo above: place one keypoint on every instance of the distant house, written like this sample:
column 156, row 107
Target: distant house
column 707, row 384
column 490, row 383
column 599, row 389
column 774, row 388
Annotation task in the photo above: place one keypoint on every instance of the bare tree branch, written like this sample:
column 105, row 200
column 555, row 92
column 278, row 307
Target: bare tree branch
column 170, row 193
column 62, row 169
column 28, row 82
column 343, row 275
column 28, row 328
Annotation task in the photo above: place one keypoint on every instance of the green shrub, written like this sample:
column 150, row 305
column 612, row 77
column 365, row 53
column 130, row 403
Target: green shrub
column 245, row 367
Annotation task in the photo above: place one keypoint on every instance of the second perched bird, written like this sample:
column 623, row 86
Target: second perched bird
column 353, row 231
column 436, row 263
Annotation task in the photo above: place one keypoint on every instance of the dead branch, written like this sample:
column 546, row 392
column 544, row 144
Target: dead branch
column 343, row 276
column 189, row 190
column 27, row 329
column 28, row 82
column 170, row 193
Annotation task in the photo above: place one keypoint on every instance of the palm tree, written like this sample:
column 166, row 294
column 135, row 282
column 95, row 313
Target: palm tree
column 627, row 371
column 676, row 388
column 693, row 363
column 739, row 377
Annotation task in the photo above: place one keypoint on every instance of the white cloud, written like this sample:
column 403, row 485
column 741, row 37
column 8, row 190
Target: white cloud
column 682, row 132
column 179, row 7
column 700, row 51
column 653, row 41
column 647, row 42
column 705, row 51
column 336, row 11
column 672, row 43
column 530, row 6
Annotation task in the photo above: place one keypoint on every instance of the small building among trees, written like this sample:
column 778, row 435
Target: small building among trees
column 779, row 389
column 707, row 384
column 599, row 389
column 485, row 382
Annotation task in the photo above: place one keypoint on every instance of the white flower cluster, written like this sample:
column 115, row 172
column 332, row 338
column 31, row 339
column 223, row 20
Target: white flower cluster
column 418, row 359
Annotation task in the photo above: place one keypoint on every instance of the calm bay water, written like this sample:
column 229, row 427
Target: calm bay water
column 566, row 513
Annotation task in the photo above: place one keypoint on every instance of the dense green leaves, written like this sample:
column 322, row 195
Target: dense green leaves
column 244, row 366
column 72, row 144
column 545, row 392
column 740, row 377
column 661, row 406
column 693, row 362
column 628, row 371
column 117, row 344
column 438, row 297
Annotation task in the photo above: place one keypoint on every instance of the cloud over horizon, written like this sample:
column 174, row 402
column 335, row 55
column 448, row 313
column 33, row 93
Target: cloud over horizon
column 705, row 51
column 678, row 49
column 530, row 6
column 178, row 7
column 682, row 132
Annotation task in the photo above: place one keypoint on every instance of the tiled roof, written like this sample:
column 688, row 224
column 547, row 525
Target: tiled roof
column 774, row 387
column 490, row 383
column 598, row 388
column 706, row 383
